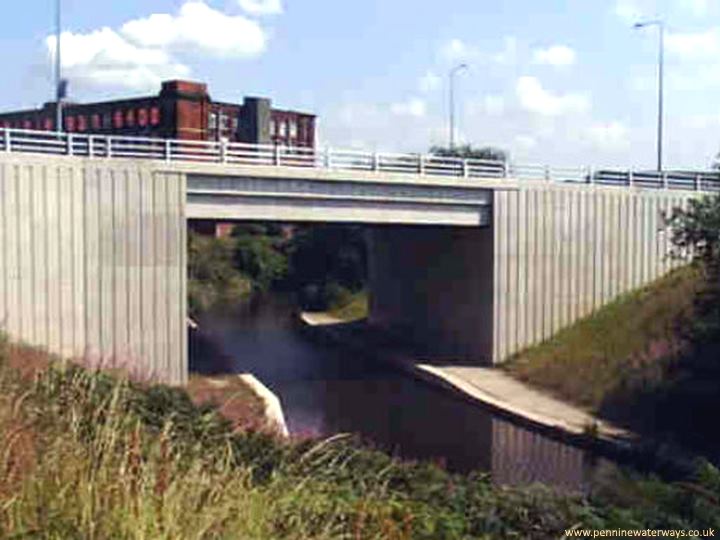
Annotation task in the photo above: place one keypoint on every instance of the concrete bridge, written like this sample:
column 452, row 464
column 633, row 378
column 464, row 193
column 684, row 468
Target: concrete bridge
column 474, row 260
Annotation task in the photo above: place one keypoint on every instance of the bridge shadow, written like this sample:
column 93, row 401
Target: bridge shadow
column 677, row 405
column 673, row 395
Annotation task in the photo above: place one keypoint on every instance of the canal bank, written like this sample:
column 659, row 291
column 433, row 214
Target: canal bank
column 496, row 390
column 489, row 386
column 328, row 390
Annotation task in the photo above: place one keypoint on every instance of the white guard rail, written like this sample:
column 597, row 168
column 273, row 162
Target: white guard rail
column 108, row 146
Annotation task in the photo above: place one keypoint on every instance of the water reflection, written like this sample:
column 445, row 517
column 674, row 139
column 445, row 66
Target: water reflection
column 325, row 391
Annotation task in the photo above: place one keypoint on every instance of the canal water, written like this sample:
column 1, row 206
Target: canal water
column 325, row 391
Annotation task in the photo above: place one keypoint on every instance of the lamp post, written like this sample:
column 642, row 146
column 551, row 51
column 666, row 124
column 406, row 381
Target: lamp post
column 451, row 76
column 59, row 91
column 661, row 81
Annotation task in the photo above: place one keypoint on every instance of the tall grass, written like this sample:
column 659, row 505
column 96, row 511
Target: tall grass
column 105, row 468
column 87, row 455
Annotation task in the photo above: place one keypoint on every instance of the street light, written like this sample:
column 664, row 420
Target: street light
column 451, row 76
column 661, row 67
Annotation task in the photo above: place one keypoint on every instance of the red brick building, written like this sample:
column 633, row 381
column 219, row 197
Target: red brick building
column 182, row 110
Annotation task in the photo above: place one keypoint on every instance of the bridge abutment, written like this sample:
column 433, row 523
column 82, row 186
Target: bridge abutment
column 92, row 262
column 552, row 255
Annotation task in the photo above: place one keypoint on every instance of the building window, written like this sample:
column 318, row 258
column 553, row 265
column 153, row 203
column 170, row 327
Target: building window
column 96, row 121
column 48, row 124
column 142, row 117
column 283, row 129
column 27, row 124
column 212, row 121
column 235, row 124
column 118, row 120
column 70, row 123
column 155, row 116
column 130, row 117
column 224, row 121
column 82, row 122
column 293, row 129
column 273, row 128
column 106, row 120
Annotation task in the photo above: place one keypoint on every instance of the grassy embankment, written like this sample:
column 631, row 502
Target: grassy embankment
column 635, row 361
column 90, row 455
column 351, row 307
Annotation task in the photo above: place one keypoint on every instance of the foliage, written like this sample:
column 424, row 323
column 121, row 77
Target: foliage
column 326, row 261
column 259, row 255
column 212, row 275
column 87, row 455
column 697, row 229
column 468, row 152
column 324, row 264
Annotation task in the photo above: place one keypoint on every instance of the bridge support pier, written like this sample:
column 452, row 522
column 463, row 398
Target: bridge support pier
column 434, row 287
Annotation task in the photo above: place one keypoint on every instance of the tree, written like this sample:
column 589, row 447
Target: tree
column 212, row 275
column 259, row 254
column 697, row 229
column 466, row 151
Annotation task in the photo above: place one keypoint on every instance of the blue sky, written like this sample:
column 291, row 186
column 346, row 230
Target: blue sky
column 567, row 82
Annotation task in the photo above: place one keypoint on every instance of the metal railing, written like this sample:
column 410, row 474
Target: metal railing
column 173, row 150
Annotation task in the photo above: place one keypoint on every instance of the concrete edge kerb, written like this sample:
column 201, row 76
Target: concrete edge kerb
column 598, row 430
column 273, row 410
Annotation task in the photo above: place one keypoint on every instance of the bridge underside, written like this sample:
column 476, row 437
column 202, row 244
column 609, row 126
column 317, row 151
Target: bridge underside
column 256, row 198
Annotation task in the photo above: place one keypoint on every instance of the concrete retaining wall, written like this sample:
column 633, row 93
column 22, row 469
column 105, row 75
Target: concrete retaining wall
column 554, row 254
column 563, row 251
column 92, row 261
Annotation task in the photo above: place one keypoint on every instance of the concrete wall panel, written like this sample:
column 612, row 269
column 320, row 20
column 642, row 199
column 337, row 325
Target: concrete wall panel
column 92, row 261
column 590, row 245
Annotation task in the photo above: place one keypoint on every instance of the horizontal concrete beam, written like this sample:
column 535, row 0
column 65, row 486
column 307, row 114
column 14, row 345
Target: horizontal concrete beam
column 317, row 210
column 283, row 199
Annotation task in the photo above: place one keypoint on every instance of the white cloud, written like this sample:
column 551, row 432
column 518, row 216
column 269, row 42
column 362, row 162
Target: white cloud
column 429, row 82
column 694, row 45
column 534, row 98
column 412, row 107
column 198, row 27
column 142, row 52
column 556, row 55
column 262, row 7
column 105, row 58
column 609, row 135
column 456, row 50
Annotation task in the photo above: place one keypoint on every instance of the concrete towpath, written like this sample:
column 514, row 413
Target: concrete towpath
column 489, row 386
